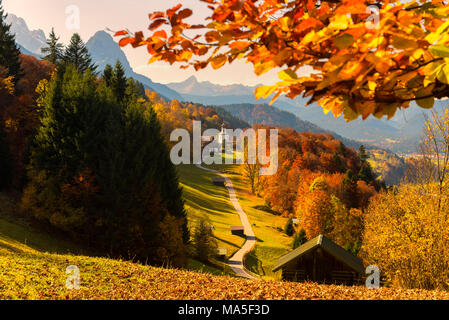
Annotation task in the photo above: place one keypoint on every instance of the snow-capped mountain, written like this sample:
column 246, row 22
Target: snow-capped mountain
column 31, row 40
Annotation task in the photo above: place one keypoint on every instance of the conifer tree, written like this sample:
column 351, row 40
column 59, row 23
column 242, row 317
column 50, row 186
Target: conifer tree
column 9, row 53
column 119, row 82
column 5, row 162
column 77, row 54
column 299, row 239
column 350, row 197
column 288, row 228
column 54, row 50
column 107, row 75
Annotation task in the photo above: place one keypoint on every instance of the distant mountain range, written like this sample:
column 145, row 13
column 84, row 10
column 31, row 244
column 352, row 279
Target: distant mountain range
column 400, row 134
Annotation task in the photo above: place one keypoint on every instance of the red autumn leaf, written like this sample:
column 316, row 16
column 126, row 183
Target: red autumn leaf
column 121, row 33
column 156, row 24
column 185, row 13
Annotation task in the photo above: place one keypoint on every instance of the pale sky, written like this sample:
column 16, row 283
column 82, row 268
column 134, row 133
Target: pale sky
column 132, row 14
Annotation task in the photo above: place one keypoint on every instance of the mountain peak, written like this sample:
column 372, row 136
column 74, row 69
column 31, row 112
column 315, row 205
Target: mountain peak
column 191, row 79
column 33, row 41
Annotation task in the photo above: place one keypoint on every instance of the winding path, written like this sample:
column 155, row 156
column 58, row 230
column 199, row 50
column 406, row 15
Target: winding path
column 236, row 261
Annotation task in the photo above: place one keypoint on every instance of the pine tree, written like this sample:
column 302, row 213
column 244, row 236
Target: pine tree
column 78, row 55
column 54, row 50
column 9, row 53
column 362, row 154
column 288, row 228
column 299, row 239
column 107, row 75
column 204, row 243
column 119, row 82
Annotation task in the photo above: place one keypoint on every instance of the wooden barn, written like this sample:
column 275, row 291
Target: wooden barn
column 323, row 261
column 219, row 181
column 238, row 231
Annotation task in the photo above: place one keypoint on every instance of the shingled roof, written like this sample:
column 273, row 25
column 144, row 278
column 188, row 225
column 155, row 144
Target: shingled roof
column 327, row 245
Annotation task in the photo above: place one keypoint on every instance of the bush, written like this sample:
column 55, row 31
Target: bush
column 204, row 244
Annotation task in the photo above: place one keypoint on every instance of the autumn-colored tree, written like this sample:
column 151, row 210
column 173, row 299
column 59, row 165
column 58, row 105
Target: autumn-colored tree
column 406, row 236
column 315, row 214
column 367, row 58
column 407, row 228
column 20, row 113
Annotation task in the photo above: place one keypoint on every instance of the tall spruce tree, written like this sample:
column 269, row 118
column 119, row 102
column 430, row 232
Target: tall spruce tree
column 9, row 53
column 54, row 50
column 119, row 82
column 107, row 74
column 77, row 54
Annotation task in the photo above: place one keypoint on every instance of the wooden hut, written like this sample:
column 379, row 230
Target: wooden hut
column 323, row 261
column 219, row 181
column 238, row 230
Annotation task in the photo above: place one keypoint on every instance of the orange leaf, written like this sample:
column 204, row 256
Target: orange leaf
column 125, row 41
column 240, row 45
column 160, row 34
column 120, row 33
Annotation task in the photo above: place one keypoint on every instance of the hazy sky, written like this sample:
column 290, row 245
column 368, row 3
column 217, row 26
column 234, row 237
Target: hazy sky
column 132, row 14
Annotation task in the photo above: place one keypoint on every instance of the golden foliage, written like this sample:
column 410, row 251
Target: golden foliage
column 407, row 237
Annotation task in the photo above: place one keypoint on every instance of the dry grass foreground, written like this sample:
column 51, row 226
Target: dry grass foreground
column 27, row 274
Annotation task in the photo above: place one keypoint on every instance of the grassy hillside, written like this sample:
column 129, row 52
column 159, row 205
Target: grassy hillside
column 26, row 273
column 33, row 265
column 205, row 200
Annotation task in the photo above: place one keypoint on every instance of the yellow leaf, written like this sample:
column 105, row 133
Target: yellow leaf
column 288, row 75
column 264, row 91
column 340, row 22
